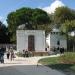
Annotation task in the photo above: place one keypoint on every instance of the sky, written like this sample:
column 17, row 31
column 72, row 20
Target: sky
column 7, row 6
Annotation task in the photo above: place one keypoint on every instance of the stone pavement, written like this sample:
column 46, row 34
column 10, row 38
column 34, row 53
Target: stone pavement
column 27, row 66
column 24, row 61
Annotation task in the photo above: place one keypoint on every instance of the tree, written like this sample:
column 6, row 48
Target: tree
column 64, row 17
column 32, row 18
column 4, row 38
column 62, row 14
column 66, row 27
column 40, row 17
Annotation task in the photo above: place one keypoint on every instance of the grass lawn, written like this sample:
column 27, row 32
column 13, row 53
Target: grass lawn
column 64, row 63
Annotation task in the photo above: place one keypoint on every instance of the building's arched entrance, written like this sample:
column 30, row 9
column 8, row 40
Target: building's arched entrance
column 31, row 44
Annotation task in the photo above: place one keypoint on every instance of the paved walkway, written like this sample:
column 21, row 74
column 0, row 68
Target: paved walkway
column 24, row 61
column 27, row 66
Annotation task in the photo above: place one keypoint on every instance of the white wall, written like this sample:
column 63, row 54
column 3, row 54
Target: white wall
column 53, row 38
column 22, row 39
column 40, row 41
column 63, row 43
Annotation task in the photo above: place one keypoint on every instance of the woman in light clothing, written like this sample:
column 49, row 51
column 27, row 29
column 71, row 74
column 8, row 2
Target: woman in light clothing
column 11, row 54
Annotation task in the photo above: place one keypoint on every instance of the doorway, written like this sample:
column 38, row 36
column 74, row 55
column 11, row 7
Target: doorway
column 31, row 44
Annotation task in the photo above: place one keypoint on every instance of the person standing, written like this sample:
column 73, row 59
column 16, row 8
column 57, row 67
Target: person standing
column 62, row 50
column 8, row 54
column 26, row 53
column 11, row 54
column 2, row 51
column 23, row 53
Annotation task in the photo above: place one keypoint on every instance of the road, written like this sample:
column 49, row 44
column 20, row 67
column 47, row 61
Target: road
column 28, row 70
column 26, row 66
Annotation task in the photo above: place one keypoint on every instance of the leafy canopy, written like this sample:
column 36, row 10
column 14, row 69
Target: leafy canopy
column 62, row 14
column 32, row 18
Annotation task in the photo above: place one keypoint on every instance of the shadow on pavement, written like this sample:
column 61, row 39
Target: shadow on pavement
column 65, row 68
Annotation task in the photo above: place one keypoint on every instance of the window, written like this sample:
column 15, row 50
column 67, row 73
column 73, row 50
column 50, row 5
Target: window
column 58, row 42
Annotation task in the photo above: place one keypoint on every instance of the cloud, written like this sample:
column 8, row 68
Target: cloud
column 1, row 18
column 47, row 9
column 51, row 9
column 5, row 22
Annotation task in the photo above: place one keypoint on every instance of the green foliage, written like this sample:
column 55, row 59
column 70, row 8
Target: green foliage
column 65, row 63
column 40, row 17
column 27, row 15
column 37, row 19
column 67, row 58
column 63, row 13
column 19, row 54
column 68, row 26
column 47, row 61
column 32, row 18
column 4, row 38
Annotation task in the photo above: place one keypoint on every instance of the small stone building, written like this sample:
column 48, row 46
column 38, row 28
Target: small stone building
column 56, row 40
column 32, row 40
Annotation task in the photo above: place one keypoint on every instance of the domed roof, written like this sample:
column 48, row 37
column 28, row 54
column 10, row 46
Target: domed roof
column 55, row 30
column 51, row 9
column 21, row 27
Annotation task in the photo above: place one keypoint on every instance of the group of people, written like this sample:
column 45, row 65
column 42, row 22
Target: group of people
column 62, row 50
column 10, row 54
column 27, row 53
column 57, row 50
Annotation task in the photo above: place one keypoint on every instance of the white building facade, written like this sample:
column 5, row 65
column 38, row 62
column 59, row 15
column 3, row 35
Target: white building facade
column 32, row 40
column 56, row 40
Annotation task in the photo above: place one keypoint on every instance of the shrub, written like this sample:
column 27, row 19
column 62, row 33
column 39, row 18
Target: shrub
column 19, row 54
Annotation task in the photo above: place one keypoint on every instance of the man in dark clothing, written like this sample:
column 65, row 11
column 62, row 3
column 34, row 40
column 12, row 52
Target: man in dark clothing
column 26, row 53
column 23, row 53
column 62, row 50
column 2, row 51
column 8, row 54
